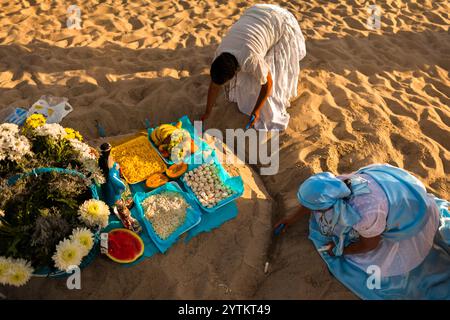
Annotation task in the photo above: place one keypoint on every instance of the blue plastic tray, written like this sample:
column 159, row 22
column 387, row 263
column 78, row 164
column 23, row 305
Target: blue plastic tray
column 193, row 215
column 187, row 125
column 235, row 183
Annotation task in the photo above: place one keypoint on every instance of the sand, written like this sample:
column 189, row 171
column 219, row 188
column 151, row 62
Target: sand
column 364, row 96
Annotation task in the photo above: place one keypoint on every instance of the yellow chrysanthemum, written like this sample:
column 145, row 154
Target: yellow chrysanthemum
column 73, row 134
column 94, row 213
column 20, row 273
column 84, row 237
column 68, row 253
column 35, row 120
column 5, row 267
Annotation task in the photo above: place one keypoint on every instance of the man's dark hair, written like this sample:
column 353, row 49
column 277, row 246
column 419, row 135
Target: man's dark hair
column 223, row 68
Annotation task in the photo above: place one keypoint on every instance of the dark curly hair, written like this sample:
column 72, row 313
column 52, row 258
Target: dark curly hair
column 223, row 68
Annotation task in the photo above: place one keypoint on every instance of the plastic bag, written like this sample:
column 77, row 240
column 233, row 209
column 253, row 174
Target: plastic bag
column 53, row 108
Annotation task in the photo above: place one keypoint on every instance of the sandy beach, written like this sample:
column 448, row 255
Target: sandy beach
column 364, row 96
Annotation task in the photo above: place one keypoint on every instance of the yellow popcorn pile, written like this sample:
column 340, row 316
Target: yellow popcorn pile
column 138, row 160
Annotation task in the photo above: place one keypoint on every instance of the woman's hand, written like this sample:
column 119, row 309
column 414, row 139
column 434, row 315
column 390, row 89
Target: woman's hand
column 291, row 219
column 283, row 224
column 330, row 248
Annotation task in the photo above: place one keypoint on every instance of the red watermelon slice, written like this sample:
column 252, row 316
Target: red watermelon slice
column 124, row 246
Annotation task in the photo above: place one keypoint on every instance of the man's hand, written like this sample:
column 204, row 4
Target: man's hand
column 255, row 117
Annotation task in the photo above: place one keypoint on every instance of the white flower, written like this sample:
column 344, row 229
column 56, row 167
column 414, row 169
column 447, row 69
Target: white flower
column 13, row 146
column 5, row 266
column 52, row 130
column 9, row 128
column 15, row 272
column 91, row 166
column 83, row 149
column 2, row 213
column 20, row 273
column 88, row 160
column 68, row 253
column 94, row 213
column 84, row 237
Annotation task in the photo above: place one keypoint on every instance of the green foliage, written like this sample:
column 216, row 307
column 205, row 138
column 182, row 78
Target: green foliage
column 51, row 153
column 40, row 211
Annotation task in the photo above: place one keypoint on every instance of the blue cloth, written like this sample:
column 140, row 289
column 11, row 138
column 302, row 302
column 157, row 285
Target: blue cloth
column 444, row 228
column 208, row 223
column 323, row 191
column 408, row 200
column 114, row 187
column 214, row 220
column 431, row 279
column 209, row 220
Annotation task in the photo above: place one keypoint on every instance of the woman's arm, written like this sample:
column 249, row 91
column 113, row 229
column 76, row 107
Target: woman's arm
column 293, row 218
column 264, row 93
column 363, row 245
column 213, row 92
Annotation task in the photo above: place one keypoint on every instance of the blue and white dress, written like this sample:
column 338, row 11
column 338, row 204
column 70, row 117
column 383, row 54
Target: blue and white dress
column 393, row 257
column 414, row 253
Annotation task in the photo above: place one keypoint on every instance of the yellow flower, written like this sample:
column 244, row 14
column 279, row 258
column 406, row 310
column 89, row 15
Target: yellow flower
column 73, row 134
column 35, row 120
column 94, row 213
column 84, row 237
column 68, row 253
column 19, row 273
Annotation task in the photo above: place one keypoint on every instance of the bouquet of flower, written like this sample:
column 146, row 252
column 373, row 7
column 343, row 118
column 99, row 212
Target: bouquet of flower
column 48, row 216
column 38, row 145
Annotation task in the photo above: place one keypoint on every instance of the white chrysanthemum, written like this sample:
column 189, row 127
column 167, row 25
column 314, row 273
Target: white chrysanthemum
column 83, row 149
column 13, row 146
column 68, row 253
column 94, row 213
column 84, row 237
column 88, row 160
column 52, row 130
column 5, row 267
column 92, row 167
column 19, row 273
column 10, row 128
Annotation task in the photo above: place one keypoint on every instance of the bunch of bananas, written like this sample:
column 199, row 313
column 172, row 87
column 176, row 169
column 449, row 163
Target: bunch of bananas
column 161, row 135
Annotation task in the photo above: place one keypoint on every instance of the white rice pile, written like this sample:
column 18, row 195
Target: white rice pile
column 166, row 211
